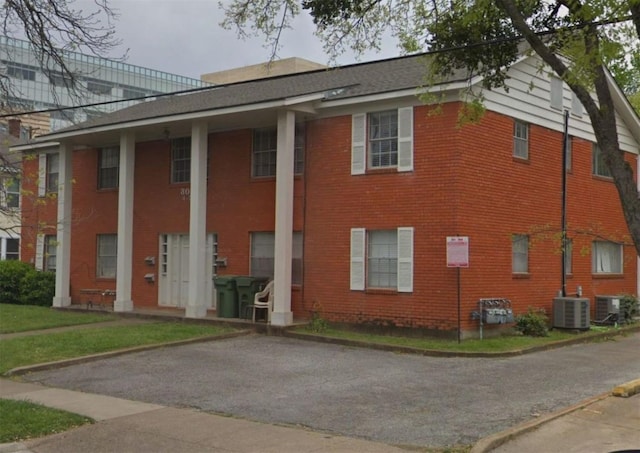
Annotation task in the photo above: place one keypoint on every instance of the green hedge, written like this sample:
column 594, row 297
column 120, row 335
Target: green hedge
column 21, row 284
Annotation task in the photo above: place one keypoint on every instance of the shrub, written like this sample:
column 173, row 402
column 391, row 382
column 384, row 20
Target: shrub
column 11, row 274
column 629, row 308
column 21, row 284
column 38, row 288
column 534, row 323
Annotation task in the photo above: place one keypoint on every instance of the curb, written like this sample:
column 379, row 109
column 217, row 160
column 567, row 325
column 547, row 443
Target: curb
column 439, row 353
column 627, row 389
column 495, row 440
column 105, row 355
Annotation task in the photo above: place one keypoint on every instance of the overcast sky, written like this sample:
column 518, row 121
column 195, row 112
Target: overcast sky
column 184, row 37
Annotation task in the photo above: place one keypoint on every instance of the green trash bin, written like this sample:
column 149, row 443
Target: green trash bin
column 227, row 296
column 247, row 288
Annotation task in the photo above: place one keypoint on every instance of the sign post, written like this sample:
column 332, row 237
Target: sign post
column 458, row 256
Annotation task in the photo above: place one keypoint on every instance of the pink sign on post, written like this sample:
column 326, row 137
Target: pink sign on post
column 457, row 251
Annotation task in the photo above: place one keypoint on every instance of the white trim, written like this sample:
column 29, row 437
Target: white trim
column 124, row 255
column 405, row 259
column 357, row 259
column 358, row 143
column 42, row 175
column 39, row 258
column 405, row 139
column 197, row 301
column 285, row 102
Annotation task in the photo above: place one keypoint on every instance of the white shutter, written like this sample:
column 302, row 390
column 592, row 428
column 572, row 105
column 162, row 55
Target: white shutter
column 357, row 259
column 39, row 264
column 358, row 143
column 405, row 139
column 405, row 260
column 42, row 175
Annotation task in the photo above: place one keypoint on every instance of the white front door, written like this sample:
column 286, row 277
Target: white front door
column 174, row 270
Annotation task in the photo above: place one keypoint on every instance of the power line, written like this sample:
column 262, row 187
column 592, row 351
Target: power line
column 483, row 43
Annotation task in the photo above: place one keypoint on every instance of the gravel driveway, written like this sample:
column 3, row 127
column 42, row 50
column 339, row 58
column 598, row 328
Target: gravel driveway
column 383, row 396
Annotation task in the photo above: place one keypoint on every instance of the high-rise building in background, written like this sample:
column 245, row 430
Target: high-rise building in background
column 100, row 80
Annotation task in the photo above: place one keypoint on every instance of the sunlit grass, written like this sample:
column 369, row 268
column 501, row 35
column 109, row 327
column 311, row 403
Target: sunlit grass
column 21, row 420
column 22, row 318
column 23, row 351
column 503, row 343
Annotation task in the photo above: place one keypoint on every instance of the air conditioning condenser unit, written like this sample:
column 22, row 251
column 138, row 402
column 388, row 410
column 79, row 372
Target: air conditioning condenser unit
column 571, row 313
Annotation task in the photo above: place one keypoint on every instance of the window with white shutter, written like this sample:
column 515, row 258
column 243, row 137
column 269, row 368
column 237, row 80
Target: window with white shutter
column 382, row 140
column 382, row 259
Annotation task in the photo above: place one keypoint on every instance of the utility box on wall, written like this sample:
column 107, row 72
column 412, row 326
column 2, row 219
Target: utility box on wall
column 571, row 313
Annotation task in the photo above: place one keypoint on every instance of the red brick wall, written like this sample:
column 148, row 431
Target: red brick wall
column 465, row 182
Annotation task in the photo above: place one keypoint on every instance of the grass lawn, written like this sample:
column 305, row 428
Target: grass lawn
column 16, row 352
column 21, row 420
column 21, row 318
column 503, row 343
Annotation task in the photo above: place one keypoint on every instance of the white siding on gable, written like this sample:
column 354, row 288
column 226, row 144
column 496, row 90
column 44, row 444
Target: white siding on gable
column 358, row 144
column 357, row 259
column 405, row 139
column 528, row 100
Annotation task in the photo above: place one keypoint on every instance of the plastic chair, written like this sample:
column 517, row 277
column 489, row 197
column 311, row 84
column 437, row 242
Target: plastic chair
column 259, row 302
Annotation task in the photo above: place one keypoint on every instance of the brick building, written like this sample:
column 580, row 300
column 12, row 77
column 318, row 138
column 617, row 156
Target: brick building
column 342, row 186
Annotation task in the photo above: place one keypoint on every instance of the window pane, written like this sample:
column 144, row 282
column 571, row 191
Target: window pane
column 262, row 253
column 568, row 259
column 50, row 252
column 606, row 257
column 382, row 260
column 599, row 166
column 13, row 249
column 520, row 249
column 52, row 172
column 108, row 167
column 521, row 140
column 265, row 143
column 383, row 139
column 107, row 249
column 181, row 160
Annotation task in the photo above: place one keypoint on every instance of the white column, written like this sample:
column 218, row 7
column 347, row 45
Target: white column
column 124, row 260
column 197, row 301
column 282, row 315
column 62, row 296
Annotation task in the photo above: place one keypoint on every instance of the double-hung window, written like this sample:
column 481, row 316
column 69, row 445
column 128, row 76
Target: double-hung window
column 599, row 166
column 106, row 256
column 181, row 160
column 10, row 192
column 263, row 253
column 520, row 140
column 52, row 172
column 265, row 150
column 108, row 162
column 12, row 249
column 382, row 140
column 382, row 259
column 606, row 257
column 50, row 252
column 520, row 253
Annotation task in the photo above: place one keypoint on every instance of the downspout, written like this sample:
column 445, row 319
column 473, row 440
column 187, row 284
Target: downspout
column 563, row 222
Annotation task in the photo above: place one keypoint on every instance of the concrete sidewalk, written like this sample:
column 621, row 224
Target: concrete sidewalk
column 602, row 424
column 605, row 423
column 128, row 426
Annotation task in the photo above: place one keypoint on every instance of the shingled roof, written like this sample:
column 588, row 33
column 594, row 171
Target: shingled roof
column 343, row 82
